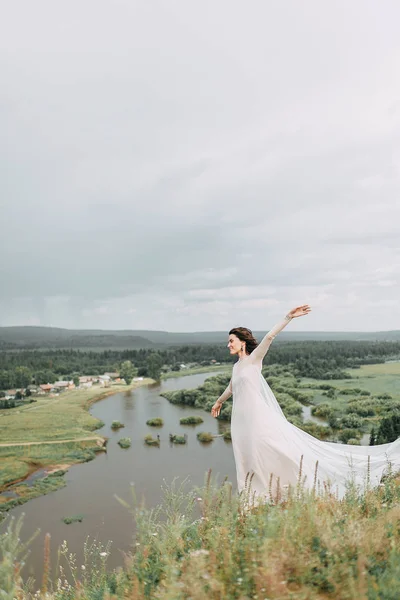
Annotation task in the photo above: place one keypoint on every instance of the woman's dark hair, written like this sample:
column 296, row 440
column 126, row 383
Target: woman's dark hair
column 245, row 335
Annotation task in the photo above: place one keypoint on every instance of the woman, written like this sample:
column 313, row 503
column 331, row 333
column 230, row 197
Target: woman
column 269, row 451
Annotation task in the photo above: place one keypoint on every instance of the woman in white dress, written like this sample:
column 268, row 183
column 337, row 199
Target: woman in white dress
column 269, row 451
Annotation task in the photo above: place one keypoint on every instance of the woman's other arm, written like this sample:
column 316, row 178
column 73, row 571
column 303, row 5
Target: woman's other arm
column 227, row 393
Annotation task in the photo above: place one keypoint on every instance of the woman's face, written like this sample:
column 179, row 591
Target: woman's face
column 234, row 344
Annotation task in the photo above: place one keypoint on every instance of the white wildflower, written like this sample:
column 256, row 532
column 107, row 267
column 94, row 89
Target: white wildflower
column 200, row 552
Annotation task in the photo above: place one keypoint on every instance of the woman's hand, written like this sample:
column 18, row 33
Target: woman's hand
column 299, row 311
column 216, row 409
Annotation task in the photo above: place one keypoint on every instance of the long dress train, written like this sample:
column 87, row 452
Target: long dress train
column 265, row 443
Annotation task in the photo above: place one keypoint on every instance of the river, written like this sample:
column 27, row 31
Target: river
column 91, row 487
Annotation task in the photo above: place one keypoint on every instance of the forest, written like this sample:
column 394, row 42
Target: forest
column 316, row 359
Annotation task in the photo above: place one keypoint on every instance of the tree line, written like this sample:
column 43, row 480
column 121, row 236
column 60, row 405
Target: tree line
column 315, row 359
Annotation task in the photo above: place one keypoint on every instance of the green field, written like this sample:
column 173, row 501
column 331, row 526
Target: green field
column 376, row 379
column 64, row 417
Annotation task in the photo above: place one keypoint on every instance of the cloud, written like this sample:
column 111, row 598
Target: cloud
column 184, row 166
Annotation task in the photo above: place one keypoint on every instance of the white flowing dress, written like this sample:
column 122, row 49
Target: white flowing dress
column 266, row 444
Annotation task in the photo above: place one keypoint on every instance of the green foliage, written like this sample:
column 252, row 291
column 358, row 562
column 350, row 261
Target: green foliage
column 127, row 371
column 347, row 434
column 354, row 392
column 319, row 431
column 205, row 437
column 117, row 425
column 178, row 439
column 125, row 442
column 157, row 422
column 352, row 421
column 73, row 519
column 191, row 420
column 362, row 407
column 389, row 429
column 150, row 441
column 154, row 363
column 321, row 410
column 227, row 435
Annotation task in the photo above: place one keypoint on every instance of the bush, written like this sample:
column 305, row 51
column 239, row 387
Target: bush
column 347, row 434
column 150, row 441
column 227, row 435
column 351, row 421
column 321, row 410
column 191, row 420
column 75, row 519
column 361, row 409
column 116, row 425
column 125, row 442
column 155, row 422
column 318, row 431
column 205, row 437
column 354, row 392
column 178, row 439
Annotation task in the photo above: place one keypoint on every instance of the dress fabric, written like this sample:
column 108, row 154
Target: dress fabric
column 265, row 443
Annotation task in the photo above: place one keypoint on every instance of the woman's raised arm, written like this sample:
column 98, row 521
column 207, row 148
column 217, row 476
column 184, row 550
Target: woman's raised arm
column 258, row 354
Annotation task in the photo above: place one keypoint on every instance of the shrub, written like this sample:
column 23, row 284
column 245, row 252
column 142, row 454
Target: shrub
column 227, row 435
column 116, row 425
column 351, row 421
column 353, row 442
column 191, row 420
column 178, row 439
column 74, row 519
column 321, row 410
column 205, row 437
column 347, row 434
column 318, row 431
column 125, row 442
column 155, row 422
column 150, row 441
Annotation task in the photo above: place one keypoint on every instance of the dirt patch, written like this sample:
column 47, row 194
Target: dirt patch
column 55, row 468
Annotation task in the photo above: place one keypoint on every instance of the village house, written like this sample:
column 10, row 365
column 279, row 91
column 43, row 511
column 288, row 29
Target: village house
column 46, row 387
column 63, row 385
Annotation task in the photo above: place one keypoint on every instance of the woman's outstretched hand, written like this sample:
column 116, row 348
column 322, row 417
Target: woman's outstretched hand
column 216, row 409
column 299, row 311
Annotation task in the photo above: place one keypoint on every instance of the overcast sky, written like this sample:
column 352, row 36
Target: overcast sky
column 200, row 164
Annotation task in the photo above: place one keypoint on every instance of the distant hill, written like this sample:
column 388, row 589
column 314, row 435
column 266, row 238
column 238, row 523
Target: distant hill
column 54, row 337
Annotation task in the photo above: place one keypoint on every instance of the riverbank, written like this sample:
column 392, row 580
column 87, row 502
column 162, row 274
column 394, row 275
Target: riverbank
column 49, row 434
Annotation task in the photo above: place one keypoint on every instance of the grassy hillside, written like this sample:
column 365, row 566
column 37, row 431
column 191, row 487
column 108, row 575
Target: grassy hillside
column 209, row 543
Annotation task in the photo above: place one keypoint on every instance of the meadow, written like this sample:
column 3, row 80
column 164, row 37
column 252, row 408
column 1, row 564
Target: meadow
column 64, row 420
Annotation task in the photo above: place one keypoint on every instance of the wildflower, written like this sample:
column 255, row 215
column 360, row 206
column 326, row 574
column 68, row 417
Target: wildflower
column 155, row 533
column 83, row 567
column 103, row 554
column 200, row 552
